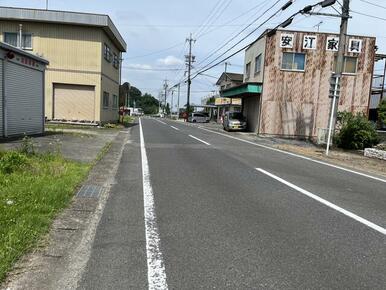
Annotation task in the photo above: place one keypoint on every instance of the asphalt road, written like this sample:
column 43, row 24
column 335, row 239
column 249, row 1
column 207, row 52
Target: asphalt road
column 193, row 209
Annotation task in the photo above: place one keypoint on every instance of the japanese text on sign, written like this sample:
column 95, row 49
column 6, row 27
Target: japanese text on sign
column 309, row 42
column 287, row 41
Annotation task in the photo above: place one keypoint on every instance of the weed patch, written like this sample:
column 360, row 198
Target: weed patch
column 33, row 189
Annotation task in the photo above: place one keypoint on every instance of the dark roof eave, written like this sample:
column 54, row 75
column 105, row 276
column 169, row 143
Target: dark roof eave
column 231, row 77
column 243, row 84
column 6, row 46
column 244, row 89
column 66, row 18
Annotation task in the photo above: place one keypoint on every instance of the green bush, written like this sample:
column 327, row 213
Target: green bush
column 382, row 112
column 127, row 120
column 110, row 126
column 356, row 132
column 12, row 161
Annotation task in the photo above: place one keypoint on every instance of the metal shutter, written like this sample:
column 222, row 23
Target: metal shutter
column 74, row 102
column 1, row 100
column 24, row 99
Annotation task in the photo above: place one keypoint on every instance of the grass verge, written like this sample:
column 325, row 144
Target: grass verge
column 33, row 189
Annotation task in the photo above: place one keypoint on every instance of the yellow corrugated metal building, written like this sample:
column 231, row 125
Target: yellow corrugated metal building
column 84, row 51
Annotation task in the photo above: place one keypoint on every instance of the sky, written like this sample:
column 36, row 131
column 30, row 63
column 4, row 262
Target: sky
column 156, row 30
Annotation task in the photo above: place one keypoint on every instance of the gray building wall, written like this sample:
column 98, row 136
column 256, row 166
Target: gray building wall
column 251, row 53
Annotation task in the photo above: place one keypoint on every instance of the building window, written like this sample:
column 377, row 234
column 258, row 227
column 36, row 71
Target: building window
column 107, row 53
column 116, row 61
column 258, row 64
column 293, row 61
column 115, row 102
column 13, row 39
column 350, row 64
column 247, row 70
column 106, row 100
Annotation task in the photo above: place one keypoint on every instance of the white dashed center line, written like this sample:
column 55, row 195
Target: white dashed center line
column 325, row 202
column 161, row 122
column 202, row 141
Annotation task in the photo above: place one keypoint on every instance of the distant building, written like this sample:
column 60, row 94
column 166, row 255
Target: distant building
column 286, row 84
column 84, row 51
column 228, row 80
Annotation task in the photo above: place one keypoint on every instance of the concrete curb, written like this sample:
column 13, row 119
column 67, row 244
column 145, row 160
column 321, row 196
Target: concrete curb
column 375, row 153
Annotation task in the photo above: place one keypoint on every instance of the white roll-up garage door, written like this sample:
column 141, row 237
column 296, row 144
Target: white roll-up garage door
column 74, row 102
column 1, row 100
column 24, row 96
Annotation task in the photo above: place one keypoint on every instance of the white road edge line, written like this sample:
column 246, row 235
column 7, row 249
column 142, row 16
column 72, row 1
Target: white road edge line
column 156, row 273
column 297, row 155
column 325, row 202
column 175, row 128
column 202, row 141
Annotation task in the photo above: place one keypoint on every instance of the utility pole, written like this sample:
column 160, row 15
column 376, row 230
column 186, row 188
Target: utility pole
column 178, row 101
column 226, row 66
column 171, row 106
column 46, row 4
column 166, row 93
column 336, row 78
column 226, row 69
column 159, row 102
column 383, row 82
column 189, row 59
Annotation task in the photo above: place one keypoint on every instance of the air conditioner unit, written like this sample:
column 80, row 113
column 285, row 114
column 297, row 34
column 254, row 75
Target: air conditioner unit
column 322, row 136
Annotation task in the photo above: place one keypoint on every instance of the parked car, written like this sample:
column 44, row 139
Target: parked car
column 198, row 118
column 234, row 121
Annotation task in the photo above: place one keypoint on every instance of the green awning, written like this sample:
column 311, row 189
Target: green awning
column 244, row 89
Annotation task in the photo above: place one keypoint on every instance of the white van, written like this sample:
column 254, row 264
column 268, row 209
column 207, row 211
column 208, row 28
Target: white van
column 198, row 118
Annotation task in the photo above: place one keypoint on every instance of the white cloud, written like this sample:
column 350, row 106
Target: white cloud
column 170, row 61
column 138, row 66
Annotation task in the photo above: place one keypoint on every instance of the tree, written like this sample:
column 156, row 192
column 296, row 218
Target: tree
column 167, row 109
column 211, row 101
column 124, row 91
column 191, row 109
column 135, row 95
column 146, row 102
column 149, row 104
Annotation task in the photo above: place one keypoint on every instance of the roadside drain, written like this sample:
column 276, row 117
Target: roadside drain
column 90, row 191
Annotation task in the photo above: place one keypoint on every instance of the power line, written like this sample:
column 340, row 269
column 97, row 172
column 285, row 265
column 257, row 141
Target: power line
column 151, row 69
column 237, row 17
column 184, row 25
column 217, row 17
column 373, row 4
column 203, row 69
column 336, row 10
column 236, row 35
column 182, row 66
column 157, row 52
column 207, row 19
column 368, row 15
